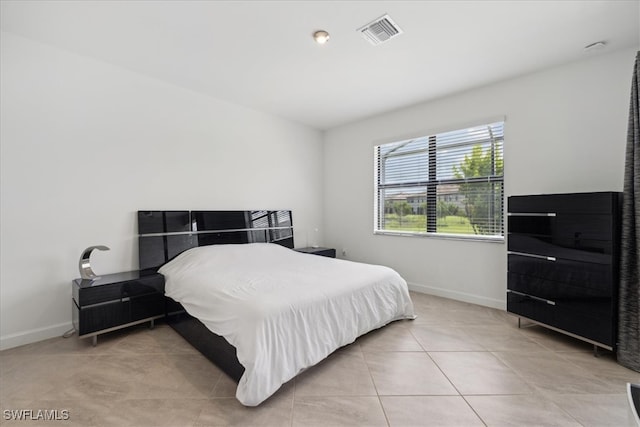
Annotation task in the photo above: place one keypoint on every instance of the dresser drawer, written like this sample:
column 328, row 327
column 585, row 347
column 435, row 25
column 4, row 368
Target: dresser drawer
column 588, row 251
column 578, row 321
column 585, row 275
column 574, row 228
column 574, row 203
column 594, row 301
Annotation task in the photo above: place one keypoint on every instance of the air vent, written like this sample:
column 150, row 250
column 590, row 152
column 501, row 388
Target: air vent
column 379, row 31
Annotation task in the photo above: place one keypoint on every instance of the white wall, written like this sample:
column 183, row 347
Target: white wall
column 84, row 145
column 565, row 131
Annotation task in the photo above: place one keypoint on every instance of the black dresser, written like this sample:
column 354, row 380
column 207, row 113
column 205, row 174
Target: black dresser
column 563, row 252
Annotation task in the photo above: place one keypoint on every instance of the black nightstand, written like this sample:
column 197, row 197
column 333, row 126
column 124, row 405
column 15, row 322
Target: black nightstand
column 114, row 301
column 328, row 252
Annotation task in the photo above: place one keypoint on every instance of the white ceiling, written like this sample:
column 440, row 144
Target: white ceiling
column 260, row 54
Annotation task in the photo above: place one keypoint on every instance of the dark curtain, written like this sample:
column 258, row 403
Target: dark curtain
column 629, row 300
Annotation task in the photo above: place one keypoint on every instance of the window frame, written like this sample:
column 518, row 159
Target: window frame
column 432, row 183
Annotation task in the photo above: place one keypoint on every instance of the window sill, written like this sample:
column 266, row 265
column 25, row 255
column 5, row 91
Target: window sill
column 466, row 238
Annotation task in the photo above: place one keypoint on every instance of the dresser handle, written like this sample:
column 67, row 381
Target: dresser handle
column 531, row 214
column 548, row 258
column 532, row 297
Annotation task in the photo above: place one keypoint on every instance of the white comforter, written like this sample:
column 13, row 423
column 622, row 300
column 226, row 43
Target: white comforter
column 284, row 311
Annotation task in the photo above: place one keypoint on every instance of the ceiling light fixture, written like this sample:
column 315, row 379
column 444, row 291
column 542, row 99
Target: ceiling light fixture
column 321, row 37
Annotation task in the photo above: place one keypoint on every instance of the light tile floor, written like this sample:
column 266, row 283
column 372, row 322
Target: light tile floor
column 457, row 364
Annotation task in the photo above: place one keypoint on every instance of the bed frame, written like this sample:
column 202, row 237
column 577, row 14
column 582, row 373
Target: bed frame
column 163, row 235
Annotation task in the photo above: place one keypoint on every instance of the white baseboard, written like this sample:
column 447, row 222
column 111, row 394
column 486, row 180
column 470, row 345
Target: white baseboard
column 34, row 335
column 458, row 296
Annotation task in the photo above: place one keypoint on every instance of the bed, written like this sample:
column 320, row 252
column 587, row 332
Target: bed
column 261, row 311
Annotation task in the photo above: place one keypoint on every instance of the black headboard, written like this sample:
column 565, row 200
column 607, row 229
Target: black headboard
column 162, row 235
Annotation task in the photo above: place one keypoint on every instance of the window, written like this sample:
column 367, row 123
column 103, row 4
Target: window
column 448, row 184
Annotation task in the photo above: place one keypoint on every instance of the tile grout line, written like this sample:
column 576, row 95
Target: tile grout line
column 293, row 400
column 456, row 388
column 373, row 381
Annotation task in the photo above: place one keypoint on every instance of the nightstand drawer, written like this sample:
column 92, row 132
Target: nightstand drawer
column 101, row 316
column 115, row 287
column 328, row 252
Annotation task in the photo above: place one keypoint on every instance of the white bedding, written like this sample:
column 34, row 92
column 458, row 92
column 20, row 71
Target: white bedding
column 284, row 311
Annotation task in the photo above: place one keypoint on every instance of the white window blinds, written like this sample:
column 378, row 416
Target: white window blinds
column 449, row 183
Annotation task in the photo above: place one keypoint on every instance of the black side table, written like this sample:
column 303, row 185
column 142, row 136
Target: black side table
column 328, row 252
column 114, row 301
